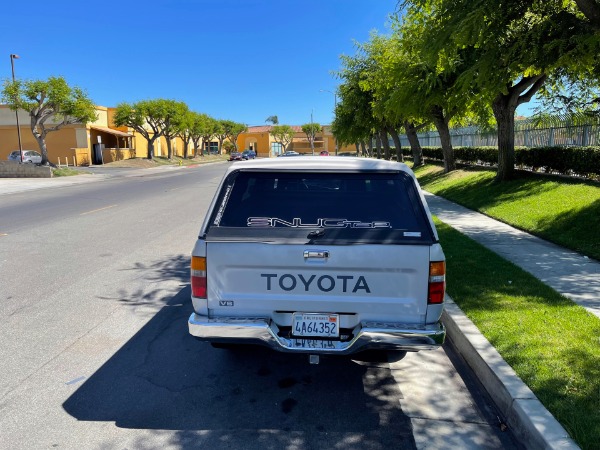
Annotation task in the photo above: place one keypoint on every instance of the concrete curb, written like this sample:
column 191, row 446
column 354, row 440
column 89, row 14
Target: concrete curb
column 529, row 420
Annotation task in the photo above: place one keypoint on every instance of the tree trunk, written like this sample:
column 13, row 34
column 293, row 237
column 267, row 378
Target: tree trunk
column 169, row 149
column 43, row 149
column 415, row 145
column 370, row 147
column 397, row 144
column 151, row 148
column 378, row 145
column 441, row 124
column 363, row 147
column 186, row 145
column 504, row 107
column 385, row 142
column 357, row 149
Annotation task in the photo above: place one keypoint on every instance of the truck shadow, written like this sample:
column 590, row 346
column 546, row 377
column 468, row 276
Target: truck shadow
column 163, row 379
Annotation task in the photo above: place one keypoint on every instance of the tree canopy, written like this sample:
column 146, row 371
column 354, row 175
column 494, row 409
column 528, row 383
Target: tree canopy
column 283, row 134
column 51, row 104
column 310, row 130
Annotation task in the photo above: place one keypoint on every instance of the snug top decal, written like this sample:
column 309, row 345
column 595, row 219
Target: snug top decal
column 297, row 222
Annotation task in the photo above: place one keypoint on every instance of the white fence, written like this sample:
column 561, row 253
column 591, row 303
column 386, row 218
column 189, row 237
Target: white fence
column 527, row 134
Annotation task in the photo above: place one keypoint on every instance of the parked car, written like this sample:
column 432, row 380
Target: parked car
column 290, row 153
column 324, row 153
column 29, row 156
column 320, row 256
column 235, row 156
column 248, row 154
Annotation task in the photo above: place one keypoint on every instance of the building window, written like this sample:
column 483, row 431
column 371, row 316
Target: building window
column 276, row 148
column 214, row 147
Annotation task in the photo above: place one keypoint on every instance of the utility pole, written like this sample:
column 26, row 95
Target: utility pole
column 312, row 134
column 12, row 66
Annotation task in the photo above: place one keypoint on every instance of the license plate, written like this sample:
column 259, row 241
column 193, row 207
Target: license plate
column 315, row 325
column 314, row 344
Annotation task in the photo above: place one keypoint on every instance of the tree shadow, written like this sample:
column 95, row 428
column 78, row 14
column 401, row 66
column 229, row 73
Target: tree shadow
column 572, row 229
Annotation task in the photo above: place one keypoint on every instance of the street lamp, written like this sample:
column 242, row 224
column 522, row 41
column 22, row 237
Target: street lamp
column 12, row 66
column 335, row 107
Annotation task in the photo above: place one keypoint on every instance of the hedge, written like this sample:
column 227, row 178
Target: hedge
column 583, row 161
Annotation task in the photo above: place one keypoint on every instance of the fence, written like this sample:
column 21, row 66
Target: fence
column 528, row 133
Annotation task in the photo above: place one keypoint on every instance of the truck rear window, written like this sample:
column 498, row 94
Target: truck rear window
column 350, row 206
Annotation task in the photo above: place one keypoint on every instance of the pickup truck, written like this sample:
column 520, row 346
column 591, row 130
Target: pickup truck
column 322, row 256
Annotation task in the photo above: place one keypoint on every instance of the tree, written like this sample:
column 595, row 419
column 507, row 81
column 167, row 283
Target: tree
column 273, row 119
column 234, row 130
column 517, row 44
column 283, row 134
column 208, row 129
column 221, row 132
column 184, row 129
column 51, row 104
column 311, row 129
column 173, row 113
column 354, row 121
column 146, row 117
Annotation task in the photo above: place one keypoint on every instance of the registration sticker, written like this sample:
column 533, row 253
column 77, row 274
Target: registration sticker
column 315, row 325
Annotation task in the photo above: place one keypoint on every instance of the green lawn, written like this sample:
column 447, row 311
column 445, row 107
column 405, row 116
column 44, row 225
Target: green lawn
column 563, row 211
column 552, row 344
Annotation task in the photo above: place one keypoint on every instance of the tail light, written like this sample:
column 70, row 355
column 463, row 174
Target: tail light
column 437, row 282
column 198, row 276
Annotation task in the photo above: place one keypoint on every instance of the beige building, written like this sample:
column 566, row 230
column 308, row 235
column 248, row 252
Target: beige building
column 260, row 140
column 102, row 142
column 81, row 145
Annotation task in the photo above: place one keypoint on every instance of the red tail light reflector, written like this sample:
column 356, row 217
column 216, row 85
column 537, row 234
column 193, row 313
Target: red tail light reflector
column 437, row 282
column 198, row 277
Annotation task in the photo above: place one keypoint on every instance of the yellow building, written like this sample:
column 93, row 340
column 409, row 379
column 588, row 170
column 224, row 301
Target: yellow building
column 260, row 140
column 102, row 142
column 97, row 142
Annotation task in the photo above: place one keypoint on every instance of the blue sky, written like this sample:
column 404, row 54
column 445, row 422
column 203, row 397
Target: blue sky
column 242, row 60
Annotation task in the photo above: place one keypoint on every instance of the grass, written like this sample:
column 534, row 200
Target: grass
column 66, row 172
column 551, row 343
column 141, row 163
column 566, row 212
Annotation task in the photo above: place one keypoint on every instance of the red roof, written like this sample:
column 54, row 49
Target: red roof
column 267, row 129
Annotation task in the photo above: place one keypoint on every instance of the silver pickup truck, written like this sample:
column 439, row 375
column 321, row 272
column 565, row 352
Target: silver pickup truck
column 320, row 256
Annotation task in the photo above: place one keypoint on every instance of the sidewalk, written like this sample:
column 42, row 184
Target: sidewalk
column 15, row 185
column 575, row 276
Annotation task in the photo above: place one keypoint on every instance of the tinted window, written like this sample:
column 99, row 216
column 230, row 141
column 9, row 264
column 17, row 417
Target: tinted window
column 348, row 202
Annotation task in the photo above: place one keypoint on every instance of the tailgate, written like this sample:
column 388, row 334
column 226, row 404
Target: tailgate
column 379, row 282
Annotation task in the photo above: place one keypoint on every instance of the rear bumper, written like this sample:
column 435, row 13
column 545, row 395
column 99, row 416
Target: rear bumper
column 366, row 336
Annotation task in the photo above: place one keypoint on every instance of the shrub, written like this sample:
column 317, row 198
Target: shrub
column 565, row 160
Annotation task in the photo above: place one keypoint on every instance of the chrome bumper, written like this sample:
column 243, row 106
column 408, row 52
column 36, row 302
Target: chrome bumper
column 366, row 336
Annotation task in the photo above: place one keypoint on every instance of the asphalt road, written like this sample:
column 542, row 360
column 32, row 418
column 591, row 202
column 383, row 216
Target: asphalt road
column 94, row 353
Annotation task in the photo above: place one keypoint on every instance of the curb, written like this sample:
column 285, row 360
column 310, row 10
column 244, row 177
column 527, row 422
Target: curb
column 531, row 423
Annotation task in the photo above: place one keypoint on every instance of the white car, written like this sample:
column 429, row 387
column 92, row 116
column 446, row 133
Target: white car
column 323, row 256
column 29, row 156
